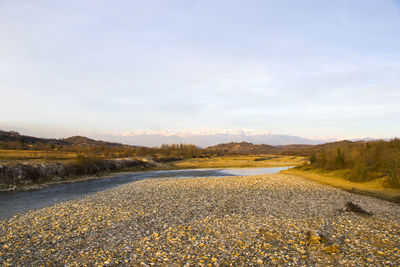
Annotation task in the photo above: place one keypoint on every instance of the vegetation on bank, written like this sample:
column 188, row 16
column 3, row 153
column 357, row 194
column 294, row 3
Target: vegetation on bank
column 370, row 168
column 24, row 176
column 361, row 161
column 337, row 178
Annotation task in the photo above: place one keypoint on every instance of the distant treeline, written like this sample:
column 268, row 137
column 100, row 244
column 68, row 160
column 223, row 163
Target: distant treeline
column 172, row 150
column 80, row 145
column 363, row 160
column 55, row 152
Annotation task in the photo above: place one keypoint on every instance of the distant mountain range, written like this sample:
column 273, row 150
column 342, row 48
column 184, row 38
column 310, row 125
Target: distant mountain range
column 268, row 142
column 205, row 140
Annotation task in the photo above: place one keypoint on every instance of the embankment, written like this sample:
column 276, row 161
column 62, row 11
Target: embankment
column 27, row 176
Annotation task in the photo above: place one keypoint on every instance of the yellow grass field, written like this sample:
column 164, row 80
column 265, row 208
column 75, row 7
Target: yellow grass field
column 374, row 188
column 36, row 155
column 239, row 161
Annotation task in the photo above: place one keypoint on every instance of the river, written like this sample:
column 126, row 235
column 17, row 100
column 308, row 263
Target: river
column 15, row 202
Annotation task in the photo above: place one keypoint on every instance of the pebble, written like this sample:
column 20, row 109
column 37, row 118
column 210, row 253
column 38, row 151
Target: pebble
column 263, row 220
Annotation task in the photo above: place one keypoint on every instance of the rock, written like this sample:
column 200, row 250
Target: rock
column 312, row 239
column 351, row 207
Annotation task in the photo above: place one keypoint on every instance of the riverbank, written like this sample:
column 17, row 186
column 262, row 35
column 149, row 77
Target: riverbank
column 254, row 220
column 33, row 176
column 373, row 188
column 15, row 202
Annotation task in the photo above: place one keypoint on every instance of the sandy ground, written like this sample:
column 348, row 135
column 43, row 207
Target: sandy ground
column 271, row 219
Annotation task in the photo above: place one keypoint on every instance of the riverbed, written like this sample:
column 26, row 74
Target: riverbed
column 259, row 220
column 15, row 202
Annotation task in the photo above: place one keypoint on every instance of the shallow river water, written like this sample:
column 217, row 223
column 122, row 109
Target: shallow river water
column 20, row 201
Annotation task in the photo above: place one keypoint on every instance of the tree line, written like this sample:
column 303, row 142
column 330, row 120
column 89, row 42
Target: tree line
column 104, row 151
column 363, row 161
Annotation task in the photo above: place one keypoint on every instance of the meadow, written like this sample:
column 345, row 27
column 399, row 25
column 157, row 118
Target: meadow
column 28, row 155
column 380, row 188
column 238, row 161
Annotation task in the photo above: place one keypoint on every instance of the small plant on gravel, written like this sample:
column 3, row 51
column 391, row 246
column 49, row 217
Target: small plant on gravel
column 351, row 207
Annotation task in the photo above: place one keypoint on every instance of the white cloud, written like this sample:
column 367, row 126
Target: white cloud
column 312, row 69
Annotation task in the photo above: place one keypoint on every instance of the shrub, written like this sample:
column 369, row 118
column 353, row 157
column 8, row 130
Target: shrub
column 393, row 171
column 359, row 172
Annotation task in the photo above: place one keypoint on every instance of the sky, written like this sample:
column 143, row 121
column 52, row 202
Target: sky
column 315, row 69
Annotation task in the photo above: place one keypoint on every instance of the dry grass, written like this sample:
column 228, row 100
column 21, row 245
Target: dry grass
column 243, row 161
column 36, row 155
column 374, row 188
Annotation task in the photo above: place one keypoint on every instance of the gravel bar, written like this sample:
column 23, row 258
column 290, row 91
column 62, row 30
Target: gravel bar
column 265, row 220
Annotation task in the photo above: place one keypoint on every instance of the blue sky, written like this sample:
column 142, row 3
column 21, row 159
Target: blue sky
column 305, row 68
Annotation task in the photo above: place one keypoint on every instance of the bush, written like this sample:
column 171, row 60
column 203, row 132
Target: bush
column 393, row 171
column 358, row 172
